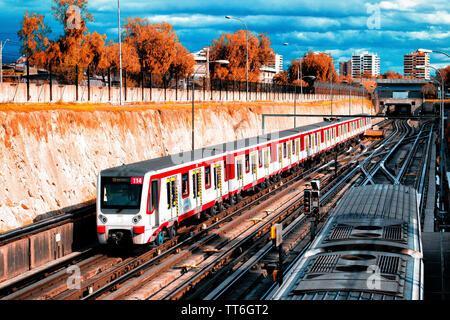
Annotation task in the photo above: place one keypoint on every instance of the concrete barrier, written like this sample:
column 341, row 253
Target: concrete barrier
column 21, row 255
column 40, row 93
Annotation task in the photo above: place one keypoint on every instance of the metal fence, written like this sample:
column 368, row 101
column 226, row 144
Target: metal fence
column 144, row 80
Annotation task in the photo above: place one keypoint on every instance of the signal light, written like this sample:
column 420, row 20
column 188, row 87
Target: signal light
column 307, row 200
column 275, row 275
column 273, row 233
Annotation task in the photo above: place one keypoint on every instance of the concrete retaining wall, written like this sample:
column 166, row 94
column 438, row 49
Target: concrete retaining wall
column 40, row 93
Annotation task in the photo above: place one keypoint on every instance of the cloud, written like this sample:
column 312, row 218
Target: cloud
column 337, row 27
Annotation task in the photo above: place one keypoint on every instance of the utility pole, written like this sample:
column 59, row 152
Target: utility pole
column 120, row 52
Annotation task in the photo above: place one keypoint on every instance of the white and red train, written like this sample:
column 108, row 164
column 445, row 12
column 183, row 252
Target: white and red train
column 146, row 201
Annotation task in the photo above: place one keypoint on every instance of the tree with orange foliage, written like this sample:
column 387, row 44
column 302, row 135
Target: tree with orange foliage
column 429, row 91
column 233, row 47
column 390, row 75
column 319, row 65
column 445, row 72
column 72, row 14
column 130, row 59
column 345, row 79
column 33, row 36
column 295, row 73
column 76, row 47
column 157, row 47
column 281, row 77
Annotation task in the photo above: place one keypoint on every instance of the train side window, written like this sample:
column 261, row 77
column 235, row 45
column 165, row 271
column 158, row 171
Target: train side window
column 260, row 162
column 239, row 169
column 185, row 185
column 266, row 157
column 216, row 182
column 168, row 188
column 195, row 185
column 174, row 193
column 293, row 146
column 284, row 150
column 247, row 163
column 154, row 196
column 207, row 177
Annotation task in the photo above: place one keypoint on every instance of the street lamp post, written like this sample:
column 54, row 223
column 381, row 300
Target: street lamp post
column 246, row 65
column 434, row 51
column 299, row 77
column 193, row 97
column 331, row 92
column 120, row 52
column 2, row 45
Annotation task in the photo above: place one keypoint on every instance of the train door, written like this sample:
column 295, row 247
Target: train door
column 153, row 201
column 172, row 196
column 218, row 179
column 297, row 148
column 289, row 151
column 318, row 141
column 280, row 156
column 266, row 162
column 313, row 143
column 197, row 187
column 254, row 166
column 240, row 172
column 307, row 145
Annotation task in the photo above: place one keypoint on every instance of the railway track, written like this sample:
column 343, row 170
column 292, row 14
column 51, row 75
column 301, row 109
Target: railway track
column 215, row 249
column 116, row 276
column 248, row 278
column 38, row 287
column 212, row 262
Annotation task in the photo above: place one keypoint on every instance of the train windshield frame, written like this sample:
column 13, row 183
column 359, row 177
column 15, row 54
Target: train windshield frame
column 121, row 192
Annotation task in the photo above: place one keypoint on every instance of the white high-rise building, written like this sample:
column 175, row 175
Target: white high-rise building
column 268, row 72
column 365, row 63
column 278, row 63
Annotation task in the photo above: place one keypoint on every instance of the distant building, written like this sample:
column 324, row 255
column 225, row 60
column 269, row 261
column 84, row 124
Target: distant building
column 266, row 75
column 268, row 72
column 278, row 65
column 345, row 68
column 365, row 63
column 200, row 68
column 414, row 59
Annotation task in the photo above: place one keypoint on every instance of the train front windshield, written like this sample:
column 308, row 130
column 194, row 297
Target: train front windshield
column 121, row 193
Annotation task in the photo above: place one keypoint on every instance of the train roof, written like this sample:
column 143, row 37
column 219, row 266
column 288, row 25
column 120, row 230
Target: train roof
column 142, row 167
column 373, row 232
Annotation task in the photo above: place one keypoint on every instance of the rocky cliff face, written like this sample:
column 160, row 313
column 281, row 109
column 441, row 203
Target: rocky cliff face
column 51, row 155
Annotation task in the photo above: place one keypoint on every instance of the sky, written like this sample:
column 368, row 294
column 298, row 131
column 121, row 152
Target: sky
column 340, row 28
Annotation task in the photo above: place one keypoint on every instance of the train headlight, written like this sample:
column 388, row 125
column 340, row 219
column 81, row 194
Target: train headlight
column 102, row 218
column 137, row 219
